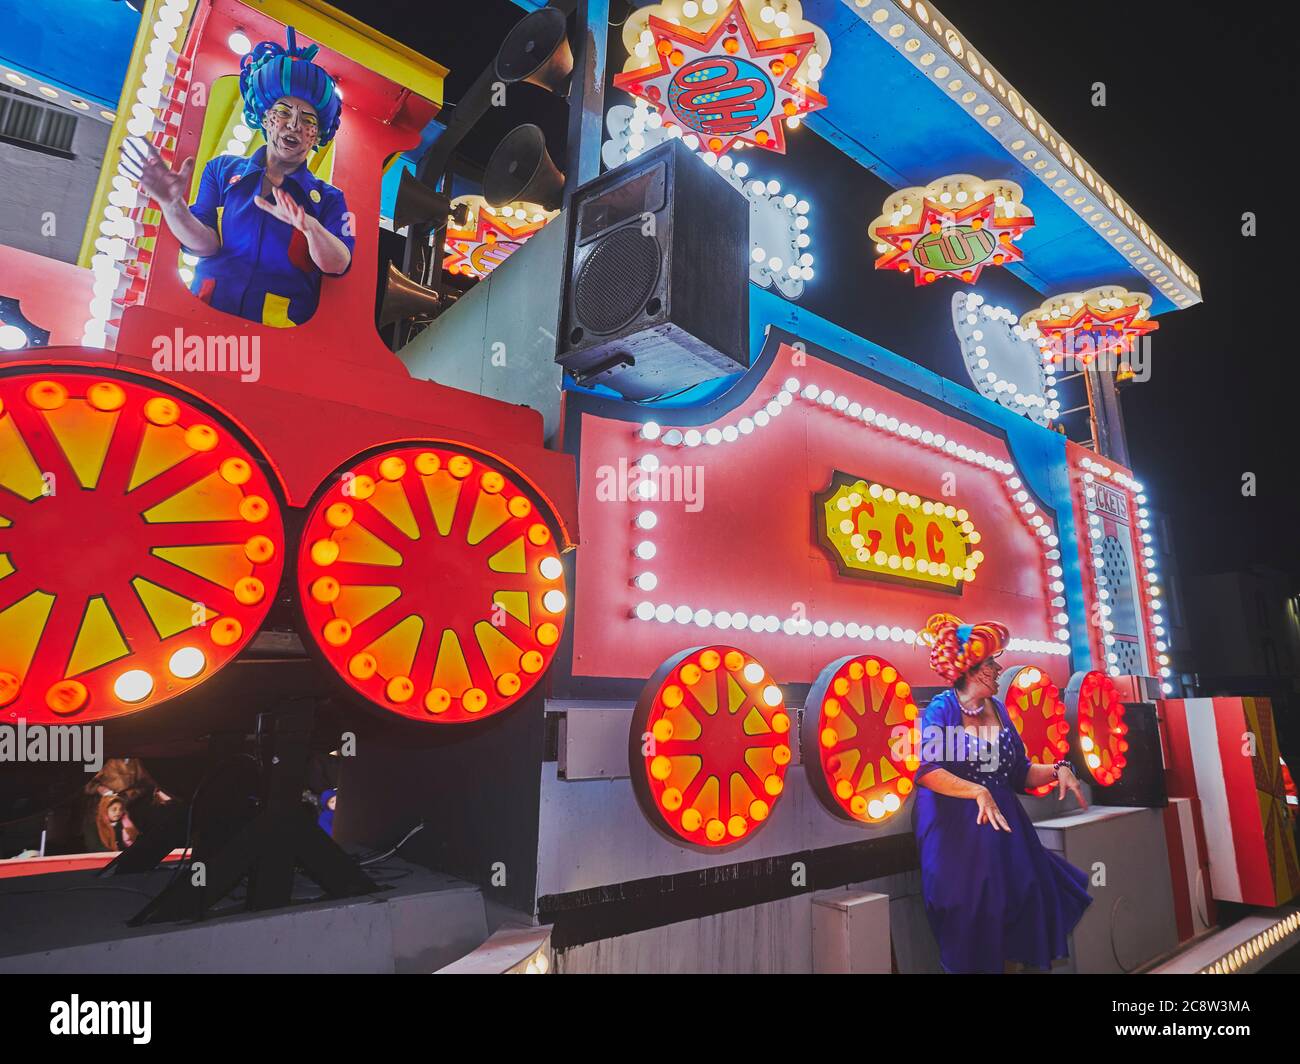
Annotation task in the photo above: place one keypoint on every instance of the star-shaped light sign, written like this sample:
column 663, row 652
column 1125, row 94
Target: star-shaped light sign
column 1087, row 332
column 1083, row 326
column 947, row 241
column 724, row 84
column 489, row 236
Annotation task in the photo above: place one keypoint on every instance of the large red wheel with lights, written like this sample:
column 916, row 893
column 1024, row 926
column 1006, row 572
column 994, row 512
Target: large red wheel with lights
column 431, row 582
column 1101, row 745
column 141, row 544
column 709, row 747
column 860, row 719
column 1035, row 707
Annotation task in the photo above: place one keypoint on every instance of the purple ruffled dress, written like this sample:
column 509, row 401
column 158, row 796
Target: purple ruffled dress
column 991, row 896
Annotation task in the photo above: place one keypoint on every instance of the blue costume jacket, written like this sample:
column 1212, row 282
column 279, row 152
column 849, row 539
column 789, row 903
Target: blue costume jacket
column 263, row 271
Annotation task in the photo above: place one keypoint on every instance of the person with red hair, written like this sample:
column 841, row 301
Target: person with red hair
column 994, row 896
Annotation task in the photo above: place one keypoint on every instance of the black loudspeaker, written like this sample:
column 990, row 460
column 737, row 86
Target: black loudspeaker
column 1143, row 781
column 537, row 51
column 521, row 169
column 405, row 298
column 657, row 277
column 418, row 203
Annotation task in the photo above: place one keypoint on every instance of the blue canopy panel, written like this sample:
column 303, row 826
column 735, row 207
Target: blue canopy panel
column 81, row 47
column 902, row 125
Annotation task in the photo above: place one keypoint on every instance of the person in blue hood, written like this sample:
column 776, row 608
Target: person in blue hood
column 265, row 228
column 328, row 799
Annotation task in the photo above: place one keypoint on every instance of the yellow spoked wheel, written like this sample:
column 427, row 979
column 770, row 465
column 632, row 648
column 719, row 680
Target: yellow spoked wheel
column 709, row 747
column 1100, row 718
column 862, row 770
column 431, row 583
column 141, row 544
column 1035, row 707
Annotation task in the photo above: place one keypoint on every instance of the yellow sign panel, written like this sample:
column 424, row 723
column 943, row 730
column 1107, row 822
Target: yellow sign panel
column 874, row 530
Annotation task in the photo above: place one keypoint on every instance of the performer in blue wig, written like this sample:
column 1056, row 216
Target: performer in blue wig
column 264, row 227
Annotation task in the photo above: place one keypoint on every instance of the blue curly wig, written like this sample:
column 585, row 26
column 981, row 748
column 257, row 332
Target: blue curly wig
column 270, row 72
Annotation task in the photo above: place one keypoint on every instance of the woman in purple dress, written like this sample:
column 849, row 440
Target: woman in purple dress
column 993, row 895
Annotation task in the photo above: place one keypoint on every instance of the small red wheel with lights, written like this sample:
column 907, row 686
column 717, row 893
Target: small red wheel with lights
column 141, row 543
column 431, row 582
column 866, row 766
column 1035, row 707
column 709, row 747
column 1102, row 745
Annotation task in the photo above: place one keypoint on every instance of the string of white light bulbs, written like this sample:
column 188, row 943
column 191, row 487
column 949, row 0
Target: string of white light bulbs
column 120, row 269
column 646, row 491
column 1151, row 601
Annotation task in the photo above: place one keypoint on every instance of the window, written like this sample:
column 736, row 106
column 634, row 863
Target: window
column 29, row 123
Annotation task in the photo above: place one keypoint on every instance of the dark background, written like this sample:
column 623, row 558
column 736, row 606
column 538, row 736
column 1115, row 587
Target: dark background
column 1200, row 100
column 1200, row 111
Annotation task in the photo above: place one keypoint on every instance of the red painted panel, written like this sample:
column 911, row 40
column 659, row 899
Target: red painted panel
column 1180, row 771
column 746, row 541
column 380, row 119
column 327, row 389
column 52, row 295
column 309, row 421
column 69, row 862
column 1179, row 860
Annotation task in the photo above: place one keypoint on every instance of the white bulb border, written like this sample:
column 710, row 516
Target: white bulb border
column 1150, row 601
column 741, row 425
column 160, row 95
column 941, row 53
column 1046, row 407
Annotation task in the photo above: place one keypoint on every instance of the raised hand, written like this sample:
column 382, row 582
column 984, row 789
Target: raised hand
column 145, row 165
column 989, row 813
column 1068, row 781
column 284, row 208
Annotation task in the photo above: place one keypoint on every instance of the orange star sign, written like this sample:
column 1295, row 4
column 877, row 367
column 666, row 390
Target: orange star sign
column 486, row 242
column 725, row 86
column 1089, row 332
column 945, row 242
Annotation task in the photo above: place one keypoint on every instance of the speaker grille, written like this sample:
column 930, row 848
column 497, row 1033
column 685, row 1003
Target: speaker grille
column 616, row 280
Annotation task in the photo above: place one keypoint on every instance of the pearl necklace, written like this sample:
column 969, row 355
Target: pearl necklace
column 970, row 712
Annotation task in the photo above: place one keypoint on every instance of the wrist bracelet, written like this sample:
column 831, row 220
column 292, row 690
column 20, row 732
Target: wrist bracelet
column 1056, row 769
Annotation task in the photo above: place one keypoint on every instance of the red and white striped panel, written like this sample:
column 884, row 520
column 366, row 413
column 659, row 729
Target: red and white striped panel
column 1224, row 751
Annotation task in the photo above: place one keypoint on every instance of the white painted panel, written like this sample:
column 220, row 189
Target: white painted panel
column 1225, row 882
column 592, row 832
column 850, row 933
column 1131, row 919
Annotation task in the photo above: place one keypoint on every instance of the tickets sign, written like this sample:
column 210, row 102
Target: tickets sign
column 876, row 531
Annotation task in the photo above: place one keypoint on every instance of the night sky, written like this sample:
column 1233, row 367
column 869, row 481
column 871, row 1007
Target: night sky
column 1198, row 102
column 1200, row 109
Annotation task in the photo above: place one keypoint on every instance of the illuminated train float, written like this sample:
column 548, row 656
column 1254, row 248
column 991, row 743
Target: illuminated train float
column 795, row 531
column 155, row 497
